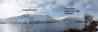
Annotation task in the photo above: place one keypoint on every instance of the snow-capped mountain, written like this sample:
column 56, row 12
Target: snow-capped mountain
column 27, row 18
column 73, row 20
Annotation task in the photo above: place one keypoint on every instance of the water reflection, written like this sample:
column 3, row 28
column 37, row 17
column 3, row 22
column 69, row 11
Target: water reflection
column 42, row 27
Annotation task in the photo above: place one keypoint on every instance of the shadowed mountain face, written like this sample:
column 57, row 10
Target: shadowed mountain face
column 27, row 18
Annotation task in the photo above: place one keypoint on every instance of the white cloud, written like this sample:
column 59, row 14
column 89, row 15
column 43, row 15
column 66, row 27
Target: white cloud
column 9, row 10
column 63, row 2
column 12, row 8
column 80, row 4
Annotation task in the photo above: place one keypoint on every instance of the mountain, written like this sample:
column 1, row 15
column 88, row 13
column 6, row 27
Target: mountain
column 73, row 19
column 27, row 18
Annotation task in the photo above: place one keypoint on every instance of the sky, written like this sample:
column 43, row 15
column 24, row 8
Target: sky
column 54, row 8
